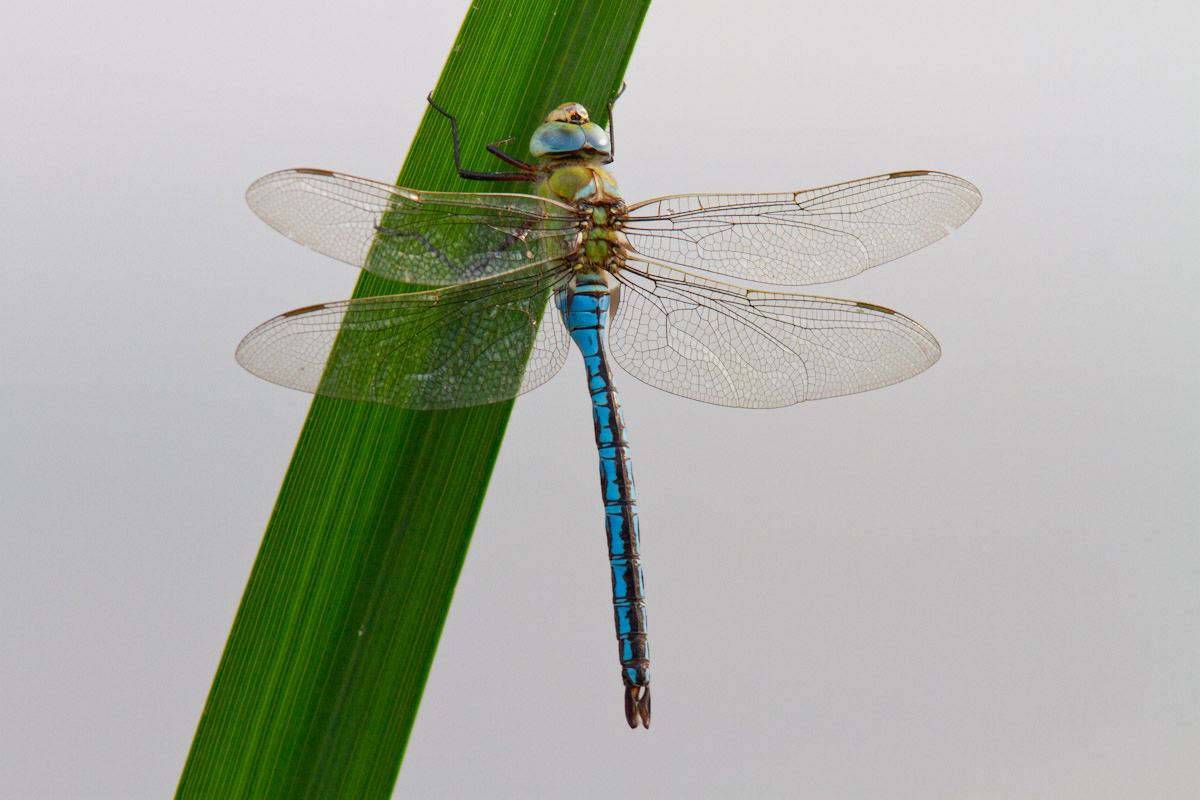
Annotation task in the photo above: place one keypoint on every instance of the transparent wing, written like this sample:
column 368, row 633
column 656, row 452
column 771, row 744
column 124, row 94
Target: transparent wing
column 800, row 238
column 736, row 347
column 429, row 238
column 446, row 348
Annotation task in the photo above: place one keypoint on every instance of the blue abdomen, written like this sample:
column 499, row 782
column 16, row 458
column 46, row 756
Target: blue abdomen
column 584, row 306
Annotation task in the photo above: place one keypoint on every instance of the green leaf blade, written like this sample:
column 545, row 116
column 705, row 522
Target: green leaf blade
column 318, row 688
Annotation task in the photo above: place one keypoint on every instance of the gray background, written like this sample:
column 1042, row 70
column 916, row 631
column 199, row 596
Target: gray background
column 978, row 583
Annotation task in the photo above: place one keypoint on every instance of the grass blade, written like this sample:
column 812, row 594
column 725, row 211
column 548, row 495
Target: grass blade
column 317, row 690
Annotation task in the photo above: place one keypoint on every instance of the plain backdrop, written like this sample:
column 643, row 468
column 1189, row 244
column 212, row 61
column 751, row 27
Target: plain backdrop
column 979, row 583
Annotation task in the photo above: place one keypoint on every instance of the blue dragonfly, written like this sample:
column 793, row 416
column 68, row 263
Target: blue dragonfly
column 518, row 276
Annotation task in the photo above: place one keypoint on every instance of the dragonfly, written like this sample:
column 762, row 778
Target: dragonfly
column 514, row 278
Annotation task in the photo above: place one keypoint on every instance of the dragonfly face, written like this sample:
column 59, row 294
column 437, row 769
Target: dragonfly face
column 520, row 276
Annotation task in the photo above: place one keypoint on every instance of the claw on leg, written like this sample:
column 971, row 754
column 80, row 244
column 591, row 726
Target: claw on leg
column 637, row 706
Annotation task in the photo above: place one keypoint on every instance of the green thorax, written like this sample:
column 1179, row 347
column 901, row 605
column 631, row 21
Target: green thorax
column 572, row 153
column 578, row 184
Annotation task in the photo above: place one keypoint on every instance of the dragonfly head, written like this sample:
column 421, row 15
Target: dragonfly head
column 567, row 132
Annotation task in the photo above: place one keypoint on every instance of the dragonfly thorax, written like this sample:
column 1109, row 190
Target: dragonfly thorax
column 593, row 194
column 579, row 183
column 603, row 246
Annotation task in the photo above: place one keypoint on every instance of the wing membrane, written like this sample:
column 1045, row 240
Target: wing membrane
column 446, row 348
column 429, row 238
column 800, row 238
column 736, row 347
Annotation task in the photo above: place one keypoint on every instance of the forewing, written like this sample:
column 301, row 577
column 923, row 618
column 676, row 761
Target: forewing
column 446, row 348
column 428, row 238
column 800, row 238
column 736, row 347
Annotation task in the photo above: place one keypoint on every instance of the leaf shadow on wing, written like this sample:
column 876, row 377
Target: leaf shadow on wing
column 450, row 347
column 424, row 238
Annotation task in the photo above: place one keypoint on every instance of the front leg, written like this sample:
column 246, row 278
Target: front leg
column 526, row 174
column 612, row 142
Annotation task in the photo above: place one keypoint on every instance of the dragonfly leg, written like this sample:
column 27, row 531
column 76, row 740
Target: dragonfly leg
column 494, row 149
column 524, row 175
column 637, row 706
column 612, row 142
